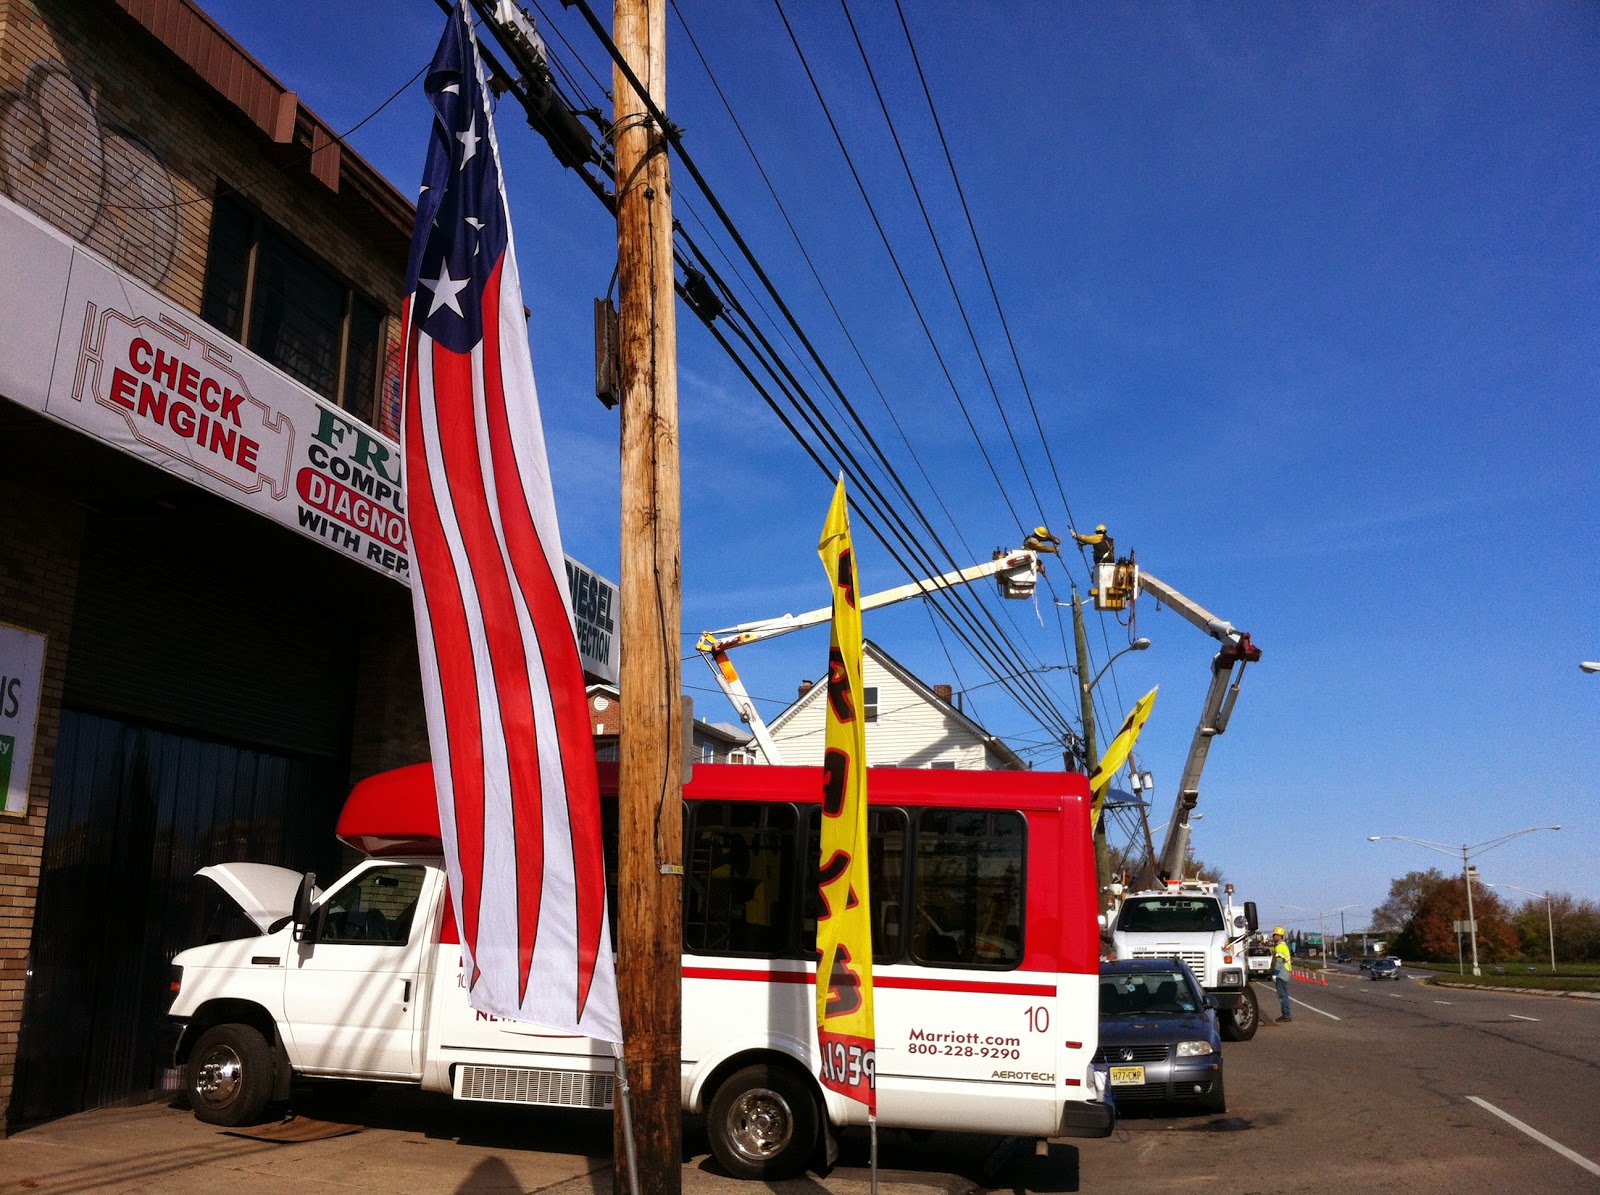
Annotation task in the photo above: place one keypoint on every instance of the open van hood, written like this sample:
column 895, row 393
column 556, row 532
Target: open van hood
column 264, row 892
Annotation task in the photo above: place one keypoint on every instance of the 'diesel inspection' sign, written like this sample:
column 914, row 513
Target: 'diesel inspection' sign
column 21, row 676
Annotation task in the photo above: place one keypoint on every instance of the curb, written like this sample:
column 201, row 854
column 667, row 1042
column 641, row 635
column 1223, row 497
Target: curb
column 1485, row 987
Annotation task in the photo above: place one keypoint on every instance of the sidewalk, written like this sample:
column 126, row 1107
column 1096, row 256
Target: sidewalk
column 420, row 1145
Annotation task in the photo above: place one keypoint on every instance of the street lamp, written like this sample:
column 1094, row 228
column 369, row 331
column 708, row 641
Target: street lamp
column 1321, row 930
column 1467, row 853
column 1139, row 644
column 1549, row 917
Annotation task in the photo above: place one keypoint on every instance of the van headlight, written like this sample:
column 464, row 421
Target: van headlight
column 1191, row 1049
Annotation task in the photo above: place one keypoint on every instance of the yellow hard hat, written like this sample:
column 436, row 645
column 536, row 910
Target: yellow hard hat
column 1100, row 527
column 1277, row 932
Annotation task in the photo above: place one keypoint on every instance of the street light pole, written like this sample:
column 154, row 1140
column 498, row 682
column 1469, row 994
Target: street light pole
column 1472, row 921
column 1467, row 853
column 1549, row 916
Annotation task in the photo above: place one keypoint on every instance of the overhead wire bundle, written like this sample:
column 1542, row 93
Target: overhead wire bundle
column 733, row 294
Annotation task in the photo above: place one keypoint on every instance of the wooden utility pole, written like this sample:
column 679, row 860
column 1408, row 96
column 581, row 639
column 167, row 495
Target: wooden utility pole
column 1091, row 753
column 650, row 857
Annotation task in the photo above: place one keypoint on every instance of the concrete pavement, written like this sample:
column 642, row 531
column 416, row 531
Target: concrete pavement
column 421, row 1145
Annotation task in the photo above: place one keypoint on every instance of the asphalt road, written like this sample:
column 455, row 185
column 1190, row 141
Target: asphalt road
column 1386, row 1086
column 1377, row 1085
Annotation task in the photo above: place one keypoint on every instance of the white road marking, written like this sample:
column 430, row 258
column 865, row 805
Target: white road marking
column 1570, row 1155
column 1396, row 996
column 1444, row 1001
column 1314, row 1008
column 1515, row 1017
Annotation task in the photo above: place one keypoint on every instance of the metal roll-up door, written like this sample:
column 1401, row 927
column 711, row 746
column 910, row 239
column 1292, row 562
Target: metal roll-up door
column 229, row 637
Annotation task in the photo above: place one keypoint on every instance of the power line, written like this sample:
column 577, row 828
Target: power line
column 894, row 259
column 1039, row 700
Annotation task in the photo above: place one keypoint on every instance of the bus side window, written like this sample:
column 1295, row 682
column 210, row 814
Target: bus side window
column 967, row 888
column 886, row 870
column 741, row 866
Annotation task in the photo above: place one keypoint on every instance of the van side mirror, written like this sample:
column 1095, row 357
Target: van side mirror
column 302, row 907
column 1250, row 917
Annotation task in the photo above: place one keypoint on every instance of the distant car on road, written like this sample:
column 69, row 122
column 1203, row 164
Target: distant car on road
column 1259, row 960
column 1366, row 964
column 1159, row 1036
column 1385, row 968
column 1344, row 958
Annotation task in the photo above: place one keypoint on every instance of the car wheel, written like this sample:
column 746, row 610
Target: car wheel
column 1240, row 1022
column 229, row 1077
column 1216, row 1102
column 763, row 1122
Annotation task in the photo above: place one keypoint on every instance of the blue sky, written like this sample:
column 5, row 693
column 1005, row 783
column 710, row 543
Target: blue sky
column 1306, row 298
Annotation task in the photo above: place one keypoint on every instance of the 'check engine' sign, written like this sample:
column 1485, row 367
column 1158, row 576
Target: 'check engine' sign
column 116, row 361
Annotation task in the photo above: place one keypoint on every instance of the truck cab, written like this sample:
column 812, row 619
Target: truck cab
column 1196, row 922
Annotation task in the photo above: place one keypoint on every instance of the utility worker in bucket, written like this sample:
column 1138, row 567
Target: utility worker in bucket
column 1282, row 968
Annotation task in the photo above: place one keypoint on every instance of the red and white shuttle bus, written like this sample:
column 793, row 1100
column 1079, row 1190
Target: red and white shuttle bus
column 985, row 962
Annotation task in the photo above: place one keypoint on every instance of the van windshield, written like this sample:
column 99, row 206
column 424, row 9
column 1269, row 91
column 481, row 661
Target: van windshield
column 1170, row 915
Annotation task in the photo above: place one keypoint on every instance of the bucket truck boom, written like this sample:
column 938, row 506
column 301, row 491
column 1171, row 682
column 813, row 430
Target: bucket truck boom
column 1017, row 573
column 1118, row 585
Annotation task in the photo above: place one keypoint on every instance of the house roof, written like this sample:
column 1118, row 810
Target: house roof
column 918, row 686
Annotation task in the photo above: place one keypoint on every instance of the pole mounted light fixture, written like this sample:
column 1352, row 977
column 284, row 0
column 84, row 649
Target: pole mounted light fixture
column 1549, row 914
column 1467, row 870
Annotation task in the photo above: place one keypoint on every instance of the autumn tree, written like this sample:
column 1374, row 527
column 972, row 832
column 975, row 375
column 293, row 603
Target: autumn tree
column 1440, row 902
column 1405, row 898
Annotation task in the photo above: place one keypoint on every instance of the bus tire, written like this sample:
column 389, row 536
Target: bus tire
column 229, row 1076
column 763, row 1122
column 1240, row 1022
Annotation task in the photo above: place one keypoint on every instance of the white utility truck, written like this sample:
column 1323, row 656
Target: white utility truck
column 985, row 956
column 1195, row 922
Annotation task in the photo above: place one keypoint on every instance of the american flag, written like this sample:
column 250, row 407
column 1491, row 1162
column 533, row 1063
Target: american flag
column 508, row 721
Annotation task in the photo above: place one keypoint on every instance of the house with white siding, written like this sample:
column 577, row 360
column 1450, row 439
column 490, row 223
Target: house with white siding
column 910, row 724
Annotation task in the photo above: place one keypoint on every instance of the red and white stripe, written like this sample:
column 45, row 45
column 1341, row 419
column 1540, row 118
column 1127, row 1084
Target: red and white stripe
column 507, row 713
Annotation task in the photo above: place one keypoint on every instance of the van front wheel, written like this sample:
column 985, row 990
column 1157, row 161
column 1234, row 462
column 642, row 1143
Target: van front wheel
column 229, row 1078
column 763, row 1123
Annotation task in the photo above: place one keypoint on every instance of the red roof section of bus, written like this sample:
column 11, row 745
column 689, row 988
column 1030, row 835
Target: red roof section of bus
column 396, row 812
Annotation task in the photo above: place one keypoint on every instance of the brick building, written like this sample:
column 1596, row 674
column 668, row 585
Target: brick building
column 201, row 520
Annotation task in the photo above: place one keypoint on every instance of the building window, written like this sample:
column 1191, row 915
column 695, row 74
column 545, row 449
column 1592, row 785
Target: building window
column 943, row 763
column 869, row 702
column 271, row 296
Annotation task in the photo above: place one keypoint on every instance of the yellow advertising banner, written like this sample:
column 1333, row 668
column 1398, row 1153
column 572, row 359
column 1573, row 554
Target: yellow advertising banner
column 845, row 1029
column 1117, row 754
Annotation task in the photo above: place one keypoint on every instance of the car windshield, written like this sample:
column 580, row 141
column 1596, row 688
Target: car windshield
column 1141, row 993
column 1170, row 915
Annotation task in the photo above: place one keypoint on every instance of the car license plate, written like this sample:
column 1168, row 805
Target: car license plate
column 1127, row 1076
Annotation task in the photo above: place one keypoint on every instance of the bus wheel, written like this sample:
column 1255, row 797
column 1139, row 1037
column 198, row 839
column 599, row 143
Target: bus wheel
column 1240, row 1022
column 229, row 1079
column 763, row 1122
